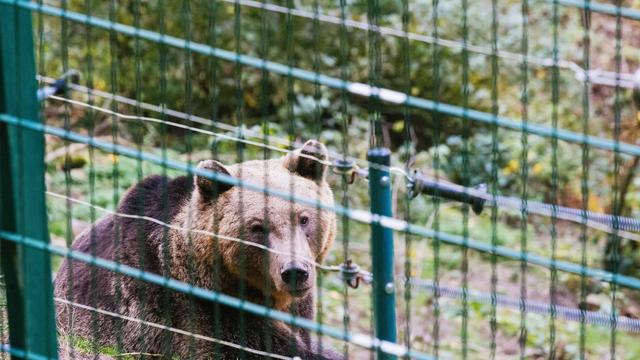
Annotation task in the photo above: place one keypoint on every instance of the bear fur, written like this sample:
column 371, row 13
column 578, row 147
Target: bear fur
column 283, row 279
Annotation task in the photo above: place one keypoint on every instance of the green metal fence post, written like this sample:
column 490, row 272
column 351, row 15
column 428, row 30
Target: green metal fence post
column 384, row 300
column 22, row 203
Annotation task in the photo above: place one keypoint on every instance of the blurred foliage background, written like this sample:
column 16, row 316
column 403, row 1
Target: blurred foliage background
column 253, row 100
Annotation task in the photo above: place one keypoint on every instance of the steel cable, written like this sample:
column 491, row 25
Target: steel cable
column 564, row 312
column 478, row 198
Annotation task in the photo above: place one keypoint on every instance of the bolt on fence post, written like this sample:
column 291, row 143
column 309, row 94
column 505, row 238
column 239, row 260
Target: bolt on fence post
column 384, row 300
column 32, row 330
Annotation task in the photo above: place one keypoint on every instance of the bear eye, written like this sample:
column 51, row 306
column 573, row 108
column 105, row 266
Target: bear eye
column 304, row 220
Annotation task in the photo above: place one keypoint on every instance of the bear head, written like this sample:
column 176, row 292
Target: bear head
column 254, row 244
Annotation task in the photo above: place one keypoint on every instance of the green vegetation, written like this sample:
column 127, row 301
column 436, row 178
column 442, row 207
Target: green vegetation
column 87, row 347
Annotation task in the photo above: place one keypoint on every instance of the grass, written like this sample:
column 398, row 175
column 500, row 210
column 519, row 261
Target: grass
column 86, row 347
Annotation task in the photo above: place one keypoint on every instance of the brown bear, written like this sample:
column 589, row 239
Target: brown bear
column 197, row 208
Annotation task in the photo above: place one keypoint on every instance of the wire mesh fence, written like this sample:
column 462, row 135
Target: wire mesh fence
column 472, row 192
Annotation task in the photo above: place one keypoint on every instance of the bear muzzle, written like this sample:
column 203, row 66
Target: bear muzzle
column 296, row 277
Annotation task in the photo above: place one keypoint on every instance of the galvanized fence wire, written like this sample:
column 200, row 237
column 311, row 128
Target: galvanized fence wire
column 464, row 266
column 555, row 98
column 617, row 163
column 495, row 107
column 584, row 178
column 435, row 57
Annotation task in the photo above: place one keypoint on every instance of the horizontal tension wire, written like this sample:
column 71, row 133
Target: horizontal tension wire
column 567, row 313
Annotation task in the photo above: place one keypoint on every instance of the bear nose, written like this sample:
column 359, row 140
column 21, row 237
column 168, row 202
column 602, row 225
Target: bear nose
column 294, row 274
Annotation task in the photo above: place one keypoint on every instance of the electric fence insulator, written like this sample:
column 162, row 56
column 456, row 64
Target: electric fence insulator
column 60, row 86
column 350, row 273
column 345, row 167
column 420, row 184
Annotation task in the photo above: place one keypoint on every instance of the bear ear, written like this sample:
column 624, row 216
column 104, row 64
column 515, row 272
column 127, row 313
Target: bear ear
column 310, row 161
column 209, row 188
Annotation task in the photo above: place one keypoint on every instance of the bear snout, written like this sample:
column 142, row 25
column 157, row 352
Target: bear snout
column 295, row 275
